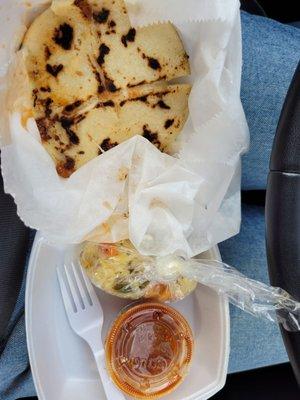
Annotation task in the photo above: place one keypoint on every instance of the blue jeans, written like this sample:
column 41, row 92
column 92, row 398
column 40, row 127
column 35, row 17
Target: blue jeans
column 271, row 53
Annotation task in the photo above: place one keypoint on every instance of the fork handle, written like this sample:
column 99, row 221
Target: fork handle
column 111, row 391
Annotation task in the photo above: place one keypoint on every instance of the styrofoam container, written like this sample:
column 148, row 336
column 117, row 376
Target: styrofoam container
column 62, row 364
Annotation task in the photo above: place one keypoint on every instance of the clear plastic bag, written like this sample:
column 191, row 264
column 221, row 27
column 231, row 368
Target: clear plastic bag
column 121, row 271
column 119, row 266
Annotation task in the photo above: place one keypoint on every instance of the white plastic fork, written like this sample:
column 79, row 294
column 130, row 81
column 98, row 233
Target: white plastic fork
column 85, row 315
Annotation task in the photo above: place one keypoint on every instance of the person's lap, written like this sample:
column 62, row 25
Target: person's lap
column 254, row 342
column 271, row 53
column 15, row 376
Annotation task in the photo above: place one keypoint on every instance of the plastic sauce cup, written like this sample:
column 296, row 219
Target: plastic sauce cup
column 149, row 350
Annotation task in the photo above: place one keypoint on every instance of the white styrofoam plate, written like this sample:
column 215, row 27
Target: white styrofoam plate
column 62, row 364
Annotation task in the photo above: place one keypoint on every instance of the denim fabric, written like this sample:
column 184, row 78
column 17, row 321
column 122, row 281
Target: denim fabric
column 271, row 53
column 15, row 376
column 254, row 342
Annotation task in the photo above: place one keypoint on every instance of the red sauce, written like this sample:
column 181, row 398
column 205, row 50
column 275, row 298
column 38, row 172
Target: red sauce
column 148, row 350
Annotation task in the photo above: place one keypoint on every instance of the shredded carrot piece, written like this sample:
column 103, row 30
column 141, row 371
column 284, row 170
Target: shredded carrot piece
column 108, row 250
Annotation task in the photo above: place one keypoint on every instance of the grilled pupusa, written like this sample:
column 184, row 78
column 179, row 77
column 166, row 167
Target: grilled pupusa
column 96, row 81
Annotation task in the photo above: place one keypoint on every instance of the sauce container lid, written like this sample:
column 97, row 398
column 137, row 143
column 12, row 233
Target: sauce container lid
column 149, row 350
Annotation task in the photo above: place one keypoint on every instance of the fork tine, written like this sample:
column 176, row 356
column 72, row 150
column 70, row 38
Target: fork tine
column 84, row 281
column 80, row 285
column 73, row 287
column 68, row 300
column 89, row 287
